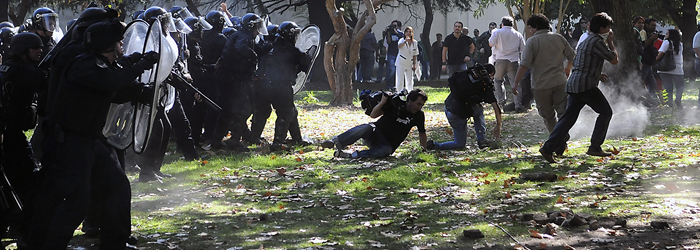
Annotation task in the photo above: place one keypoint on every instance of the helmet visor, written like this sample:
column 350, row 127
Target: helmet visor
column 168, row 23
column 182, row 26
column 185, row 13
column 50, row 22
column 260, row 27
column 204, row 24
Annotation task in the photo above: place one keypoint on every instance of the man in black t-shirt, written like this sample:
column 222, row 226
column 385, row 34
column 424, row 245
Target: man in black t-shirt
column 456, row 50
column 386, row 134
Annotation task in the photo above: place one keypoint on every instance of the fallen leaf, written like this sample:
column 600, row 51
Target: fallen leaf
column 508, row 196
column 542, row 246
column 560, row 200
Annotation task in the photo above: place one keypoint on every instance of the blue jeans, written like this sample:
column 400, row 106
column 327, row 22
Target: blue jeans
column 390, row 78
column 380, row 69
column 459, row 129
column 375, row 140
column 697, row 69
column 671, row 81
column 594, row 99
column 425, row 70
column 454, row 68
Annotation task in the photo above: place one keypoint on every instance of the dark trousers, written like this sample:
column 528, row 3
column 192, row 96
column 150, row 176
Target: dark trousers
column 594, row 99
column 77, row 162
column 366, row 64
column 236, row 102
column 151, row 159
column 435, row 68
column 279, row 96
column 182, row 130
column 18, row 163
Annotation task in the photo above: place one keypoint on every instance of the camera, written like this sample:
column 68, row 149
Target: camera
column 660, row 34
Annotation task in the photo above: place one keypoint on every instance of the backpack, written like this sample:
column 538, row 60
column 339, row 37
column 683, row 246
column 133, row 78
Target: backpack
column 369, row 99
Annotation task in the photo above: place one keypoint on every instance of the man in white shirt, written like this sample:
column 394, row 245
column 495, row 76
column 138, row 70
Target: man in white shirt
column 507, row 44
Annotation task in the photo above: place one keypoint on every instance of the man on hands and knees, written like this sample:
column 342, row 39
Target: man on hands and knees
column 468, row 89
column 582, row 87
column 387, row 133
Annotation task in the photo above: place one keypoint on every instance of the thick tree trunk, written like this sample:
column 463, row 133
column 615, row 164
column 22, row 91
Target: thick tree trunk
column 685, row 21
column 342, row 52
column 625, row 72
column 21, row 11
column 428, row 7
column 319, row 16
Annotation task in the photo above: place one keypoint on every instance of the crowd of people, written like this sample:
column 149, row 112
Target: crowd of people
column 216, row 71
column 241, row 68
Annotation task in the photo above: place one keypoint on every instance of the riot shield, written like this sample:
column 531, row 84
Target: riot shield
column 119, row 126
column 169, row 53
column 146, row 113
column 308, row 37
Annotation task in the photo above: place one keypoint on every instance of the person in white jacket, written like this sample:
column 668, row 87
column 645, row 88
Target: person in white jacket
column 406, row 60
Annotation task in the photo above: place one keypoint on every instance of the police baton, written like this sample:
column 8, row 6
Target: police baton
column 182, row 84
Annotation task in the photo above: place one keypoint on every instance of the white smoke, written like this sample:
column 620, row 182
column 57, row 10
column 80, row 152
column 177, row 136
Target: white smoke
column 630, row 117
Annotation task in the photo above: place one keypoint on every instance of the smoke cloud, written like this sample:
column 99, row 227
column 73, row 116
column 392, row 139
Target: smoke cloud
column 630, row 116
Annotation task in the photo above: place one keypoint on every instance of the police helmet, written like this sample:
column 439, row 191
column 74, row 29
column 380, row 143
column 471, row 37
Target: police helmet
column 94, row 15
column 197, row 23
column 217, row 19
column 6, row 24
column 71, row 22
column 103, row 35
column 6, row 35
column 253, row 22
column 24, row 41
column 166, row 20
column 152, row 13
column 289, row 31
column 137, row 15
column 228, row 31
column 45, row 19
column 180, row 12
column 236, row 21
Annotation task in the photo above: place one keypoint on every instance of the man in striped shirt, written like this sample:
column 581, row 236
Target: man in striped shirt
column 582, row 87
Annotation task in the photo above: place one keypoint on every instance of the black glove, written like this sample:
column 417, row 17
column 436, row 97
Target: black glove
column 133, row 58
column 148, row 60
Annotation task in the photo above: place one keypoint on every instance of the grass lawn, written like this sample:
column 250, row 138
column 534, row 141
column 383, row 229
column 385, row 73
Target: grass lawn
column 307, row 199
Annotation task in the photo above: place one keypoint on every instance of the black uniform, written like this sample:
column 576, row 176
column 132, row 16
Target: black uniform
column 212, row 45
column 38, row 135
column 21, row 81
column 78, row 154
column 282, row 65
column 5, row 52
column 196, row 112
column 234, row 81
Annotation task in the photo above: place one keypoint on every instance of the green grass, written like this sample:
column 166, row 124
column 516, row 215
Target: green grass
column 413, row 198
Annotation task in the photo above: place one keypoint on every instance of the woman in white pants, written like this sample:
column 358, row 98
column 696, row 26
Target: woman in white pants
column 406, row 60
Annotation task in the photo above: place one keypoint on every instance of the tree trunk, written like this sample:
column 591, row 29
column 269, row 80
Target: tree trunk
column 342, row 52
column 628, row 66
column 4, row 8
column 22, row 9
column 685, row 21
column 319, row 16
column 192, row 6
column 428, row 7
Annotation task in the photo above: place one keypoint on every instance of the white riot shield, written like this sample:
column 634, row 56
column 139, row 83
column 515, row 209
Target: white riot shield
column 119, row 126
column 146, row 113
column 169, row 53
column 308, row 37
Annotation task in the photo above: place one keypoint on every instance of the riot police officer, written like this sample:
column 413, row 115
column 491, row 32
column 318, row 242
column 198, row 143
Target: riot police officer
column 21, row 80
column 6, row 34
column 282, row 65
column 212, row 44
column 151, row 159
column 234, row 80
column 76, row 147
column 261, row 106
column 44, row 24
column 196, row 111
